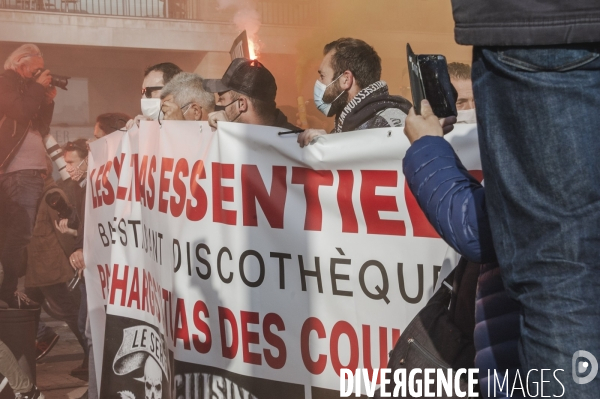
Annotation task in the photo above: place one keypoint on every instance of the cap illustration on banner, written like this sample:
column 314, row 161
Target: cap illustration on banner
column 139, row 344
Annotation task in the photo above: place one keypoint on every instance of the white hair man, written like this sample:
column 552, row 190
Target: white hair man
column 184, row 98
column 26, row 107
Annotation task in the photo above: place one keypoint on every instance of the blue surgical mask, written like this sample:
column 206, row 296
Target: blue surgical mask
column 319, row 92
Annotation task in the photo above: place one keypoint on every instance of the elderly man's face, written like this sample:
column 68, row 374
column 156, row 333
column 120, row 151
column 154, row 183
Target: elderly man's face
column 465, row 100
column 173, row 111
column 154, row 79
column 31, row 67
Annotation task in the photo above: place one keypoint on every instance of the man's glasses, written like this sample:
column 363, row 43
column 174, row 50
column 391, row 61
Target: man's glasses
column 147, row 91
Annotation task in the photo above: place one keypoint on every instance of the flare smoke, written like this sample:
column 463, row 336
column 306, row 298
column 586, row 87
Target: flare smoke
column 246, row 17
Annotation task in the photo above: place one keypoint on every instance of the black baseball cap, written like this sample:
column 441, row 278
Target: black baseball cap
column 248, row 77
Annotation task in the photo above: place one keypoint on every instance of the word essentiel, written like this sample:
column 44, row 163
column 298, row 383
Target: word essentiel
column 183, row 188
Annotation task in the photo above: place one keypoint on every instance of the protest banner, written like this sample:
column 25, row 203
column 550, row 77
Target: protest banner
column 234, row 264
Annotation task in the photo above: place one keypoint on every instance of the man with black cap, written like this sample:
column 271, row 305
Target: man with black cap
column 246, row 94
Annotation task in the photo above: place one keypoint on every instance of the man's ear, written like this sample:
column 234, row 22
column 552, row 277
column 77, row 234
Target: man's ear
column 197, row 111
column 346, row 80
column 243, row 104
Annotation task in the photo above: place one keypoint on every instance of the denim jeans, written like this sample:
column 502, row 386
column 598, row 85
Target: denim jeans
column 20, row 193
column 18, row 380
column 538, row 110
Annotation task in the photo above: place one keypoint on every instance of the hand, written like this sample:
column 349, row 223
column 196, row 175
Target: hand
column 44, row 79
column 172, row 111
column 76, row 260
column 426, row 124
column 63, row 228
column 136, row 121
column 215, row 117
column 309, row 135
column 50, row 94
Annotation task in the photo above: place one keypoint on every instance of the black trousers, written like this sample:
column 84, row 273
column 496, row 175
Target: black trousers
column 63, row 306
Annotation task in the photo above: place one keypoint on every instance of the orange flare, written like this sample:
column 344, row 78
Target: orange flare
column 252, row 50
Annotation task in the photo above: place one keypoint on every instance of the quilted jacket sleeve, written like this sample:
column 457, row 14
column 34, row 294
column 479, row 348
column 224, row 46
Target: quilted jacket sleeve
column 452, row 200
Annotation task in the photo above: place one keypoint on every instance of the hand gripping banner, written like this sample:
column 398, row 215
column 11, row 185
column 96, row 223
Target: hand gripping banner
column 234, row 264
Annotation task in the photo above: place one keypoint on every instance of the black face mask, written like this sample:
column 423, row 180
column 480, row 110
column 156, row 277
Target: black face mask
column 222, row 107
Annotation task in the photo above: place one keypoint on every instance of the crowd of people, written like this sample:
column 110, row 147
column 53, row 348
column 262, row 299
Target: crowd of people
column 528, row 241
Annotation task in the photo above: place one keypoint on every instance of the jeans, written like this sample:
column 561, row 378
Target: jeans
column 62, row 307
column 9, row 367
column 20, row 193
column 538, row 110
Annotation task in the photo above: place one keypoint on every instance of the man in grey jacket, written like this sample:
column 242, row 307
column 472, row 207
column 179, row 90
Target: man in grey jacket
column 536, row 81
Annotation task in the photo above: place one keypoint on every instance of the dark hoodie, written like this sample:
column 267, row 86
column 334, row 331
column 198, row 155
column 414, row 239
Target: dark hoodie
column 372, row 107
column 281, row 121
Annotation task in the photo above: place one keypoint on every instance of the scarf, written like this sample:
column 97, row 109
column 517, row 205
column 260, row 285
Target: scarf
column 377, row 88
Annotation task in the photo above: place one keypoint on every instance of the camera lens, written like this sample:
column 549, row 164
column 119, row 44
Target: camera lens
column 59, row 81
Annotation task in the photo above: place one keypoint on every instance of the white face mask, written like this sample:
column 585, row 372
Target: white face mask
column 151, row 107
column 319, row 92
column 77, row 172
column 466, row 116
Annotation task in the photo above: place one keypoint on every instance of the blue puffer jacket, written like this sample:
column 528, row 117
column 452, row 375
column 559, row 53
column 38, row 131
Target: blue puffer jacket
column 454, row 203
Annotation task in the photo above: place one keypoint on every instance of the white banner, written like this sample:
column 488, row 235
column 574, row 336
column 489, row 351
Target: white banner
column 263, row 267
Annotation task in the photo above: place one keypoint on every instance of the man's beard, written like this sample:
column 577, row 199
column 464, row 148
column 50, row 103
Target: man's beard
column 337, row 105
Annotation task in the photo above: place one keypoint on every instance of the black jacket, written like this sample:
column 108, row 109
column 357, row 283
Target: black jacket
column 526, row 22
column 281, row 121
column 22, row 106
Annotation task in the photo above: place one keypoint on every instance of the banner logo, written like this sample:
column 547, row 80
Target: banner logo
column 581, row 366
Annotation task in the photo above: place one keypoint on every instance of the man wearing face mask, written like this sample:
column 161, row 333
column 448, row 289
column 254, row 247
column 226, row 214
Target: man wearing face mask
column 26, row 107
column 184, row 98
column 75, row 154
column 246, row 94
column 349, row 88
column 460, row 77
column 155, row 78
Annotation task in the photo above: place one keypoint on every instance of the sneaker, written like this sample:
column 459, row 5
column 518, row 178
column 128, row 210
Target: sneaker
column 22, row 301
column 33, row 394
column 44, row 346
column 81, row 371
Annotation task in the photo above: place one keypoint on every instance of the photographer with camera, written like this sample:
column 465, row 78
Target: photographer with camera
column 26, row 107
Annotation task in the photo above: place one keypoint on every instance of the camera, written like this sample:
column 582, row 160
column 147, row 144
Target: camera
column 59, row 81
column 65, row 211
